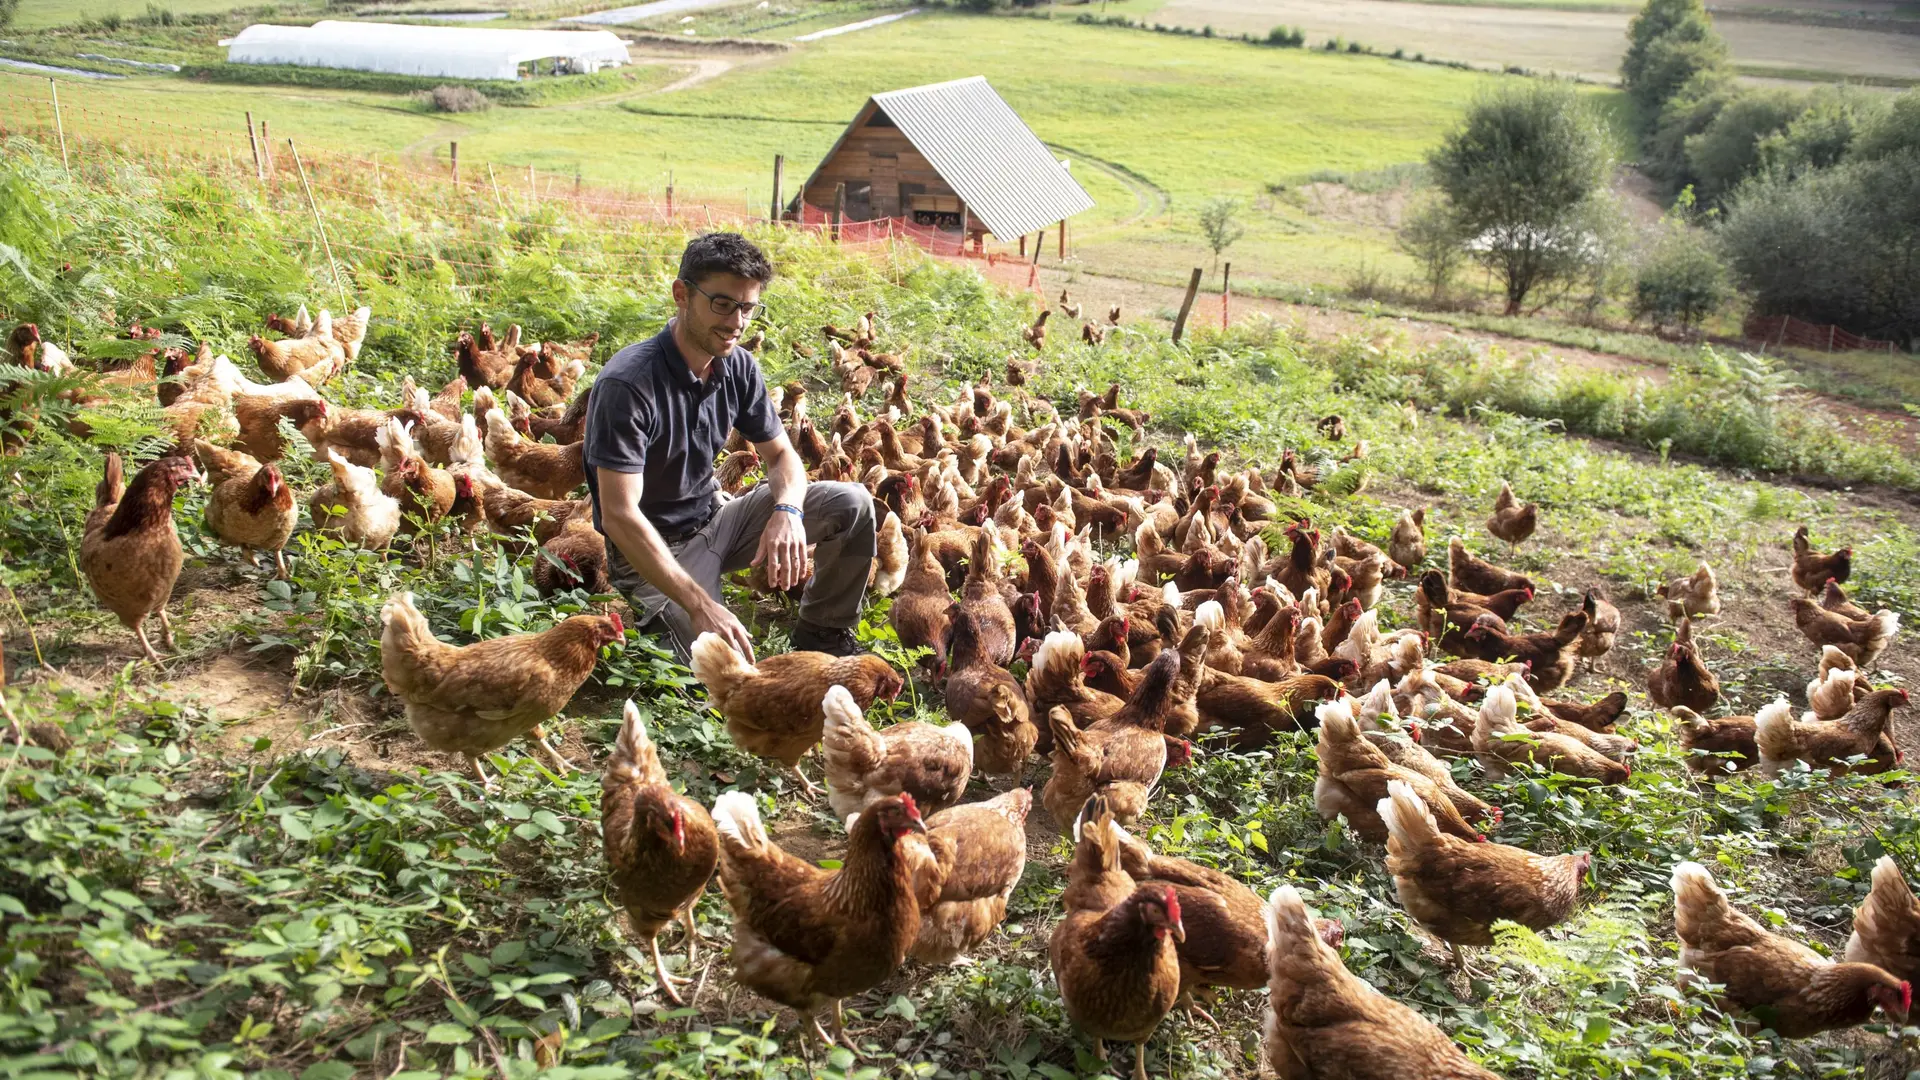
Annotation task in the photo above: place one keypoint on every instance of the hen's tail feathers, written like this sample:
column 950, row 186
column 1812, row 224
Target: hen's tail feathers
column 1504, row 500
column 849, row 742
column 113, row 483
column 1773, row 733
column 403, row 622
column 1885, row 625
column 635, row 758
column 1833, row 657
column 960, row 734
column 1500, row 710
column 467, row 447
column 1517, row 683
column 1377, row 706
column 1059, row 655
column 1696, row 899
column 737, row 817
column 1888, row 909
column 501, row 438
column 1066, row 736
column 1409, row 823
column 1212, row 616
column 1290, row 933
column 1336, row 720
column 715, row 663
column 1689, row 721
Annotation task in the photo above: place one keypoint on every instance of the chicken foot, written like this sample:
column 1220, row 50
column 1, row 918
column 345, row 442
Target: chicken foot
column 807, row 789
column 693, row 933
column 280, row 564
column 1140, row 1060
column 166, row 631
column 538, row 736
column 667, row 980
column 473, row 762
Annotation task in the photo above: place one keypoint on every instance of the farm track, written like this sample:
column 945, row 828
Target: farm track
column 1150, row 200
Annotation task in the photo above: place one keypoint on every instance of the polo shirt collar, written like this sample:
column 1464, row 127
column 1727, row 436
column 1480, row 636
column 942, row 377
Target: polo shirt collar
column 676, row 363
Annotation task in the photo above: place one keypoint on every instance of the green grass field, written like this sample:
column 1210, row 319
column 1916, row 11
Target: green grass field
column 38, row 14
column 1153, row 106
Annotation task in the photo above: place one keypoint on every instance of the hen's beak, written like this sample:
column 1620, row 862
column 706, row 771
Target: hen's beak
column 1179, row 931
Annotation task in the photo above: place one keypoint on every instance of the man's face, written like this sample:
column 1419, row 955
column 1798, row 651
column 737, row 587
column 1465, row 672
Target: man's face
column 713, row 333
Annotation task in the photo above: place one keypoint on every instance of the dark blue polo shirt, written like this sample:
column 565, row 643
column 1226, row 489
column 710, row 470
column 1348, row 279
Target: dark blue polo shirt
column 651, row 416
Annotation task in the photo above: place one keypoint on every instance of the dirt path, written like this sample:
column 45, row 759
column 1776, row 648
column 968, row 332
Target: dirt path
column 705, row 68
column 1139, row 299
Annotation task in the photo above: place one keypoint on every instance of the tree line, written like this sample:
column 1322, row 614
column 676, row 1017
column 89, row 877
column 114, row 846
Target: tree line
column 1808, row 201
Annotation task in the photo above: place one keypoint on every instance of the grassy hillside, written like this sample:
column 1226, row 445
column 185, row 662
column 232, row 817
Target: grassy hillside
column 245, row 864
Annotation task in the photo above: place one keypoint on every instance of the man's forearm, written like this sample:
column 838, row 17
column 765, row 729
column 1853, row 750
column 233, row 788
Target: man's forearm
column 650, row 557
column 787, row 478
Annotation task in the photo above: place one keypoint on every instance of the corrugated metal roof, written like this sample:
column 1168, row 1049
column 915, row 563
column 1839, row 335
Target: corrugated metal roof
column 1009, row 180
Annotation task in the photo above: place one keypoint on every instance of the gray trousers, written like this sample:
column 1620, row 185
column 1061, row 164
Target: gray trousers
column 839, row 522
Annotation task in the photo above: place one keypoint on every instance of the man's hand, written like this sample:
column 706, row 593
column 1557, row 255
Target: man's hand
column 711, row 616
column 783, row 551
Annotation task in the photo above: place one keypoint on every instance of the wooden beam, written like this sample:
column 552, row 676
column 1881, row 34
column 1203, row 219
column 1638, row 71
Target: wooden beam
column 839, row 208
column 1063, row 239
column 1186, row 306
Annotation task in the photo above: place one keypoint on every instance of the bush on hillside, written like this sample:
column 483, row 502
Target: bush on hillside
column 1431, row 234
column 1824, row 132
column 1681, row 280
column 1521, row 176
column 1839, row 245
column 7, row 9
column 1728, row 151
column 1686, row 113
column 453, row 99
column 1287, row 37
column 1891, row 130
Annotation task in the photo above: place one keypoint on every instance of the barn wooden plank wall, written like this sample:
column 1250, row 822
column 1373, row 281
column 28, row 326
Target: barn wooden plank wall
column 879, row 163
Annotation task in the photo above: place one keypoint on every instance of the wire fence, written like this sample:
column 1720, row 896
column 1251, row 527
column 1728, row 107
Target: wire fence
column 1778, row 330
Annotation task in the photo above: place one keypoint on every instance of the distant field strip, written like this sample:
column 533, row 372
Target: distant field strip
column 1587, row 42
column 864, row 24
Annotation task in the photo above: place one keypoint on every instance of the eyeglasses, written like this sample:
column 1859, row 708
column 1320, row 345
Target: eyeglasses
column 726, row 305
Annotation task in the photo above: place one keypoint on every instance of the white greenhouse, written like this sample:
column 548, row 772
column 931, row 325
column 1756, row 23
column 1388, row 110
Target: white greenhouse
column 454, row 52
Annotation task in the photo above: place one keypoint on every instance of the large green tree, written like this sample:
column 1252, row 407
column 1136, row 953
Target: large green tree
column 1523, row 175
column 1668, row 43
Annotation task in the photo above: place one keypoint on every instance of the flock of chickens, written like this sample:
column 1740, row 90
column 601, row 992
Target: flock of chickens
column 1147, row 609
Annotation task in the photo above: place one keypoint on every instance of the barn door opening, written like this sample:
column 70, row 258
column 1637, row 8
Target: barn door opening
column 859, row 202
column 886, row 185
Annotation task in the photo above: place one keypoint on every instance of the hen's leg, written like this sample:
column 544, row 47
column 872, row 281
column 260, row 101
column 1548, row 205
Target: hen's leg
column 280, row 563
column 840, row 1029
column 1100, row 1049
column 166, row 631
column 693, row 934
column 1140, row 1061
column 807, row 789
column 660, row 974
column 539, row 738
column 480, row 773
column 140, row 628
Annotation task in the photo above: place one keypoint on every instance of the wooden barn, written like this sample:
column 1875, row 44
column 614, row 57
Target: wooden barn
column 951, row 155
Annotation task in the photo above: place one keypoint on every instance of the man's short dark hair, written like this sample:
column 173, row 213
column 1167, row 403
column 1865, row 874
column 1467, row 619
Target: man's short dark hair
column 724, row 253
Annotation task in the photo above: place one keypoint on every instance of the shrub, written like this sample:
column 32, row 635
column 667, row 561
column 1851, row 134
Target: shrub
column 158, row 16
column 1220, row 224
column 1729, row 149
column 1839, row 245
column 1681, row 280
column 454, row 99
column 1287, row 37
column 7, row 9
column 1432, row 235
column 1521, row 174
column 1822, row 134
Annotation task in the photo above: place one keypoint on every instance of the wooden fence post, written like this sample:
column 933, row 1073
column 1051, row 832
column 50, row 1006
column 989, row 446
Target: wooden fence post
column 1023, row 245
column 266, row 148
column 779, row 174
column 966, row 214
column 533, row 186
column 1033, row 268
column 669, row 194
column 495, row 184
column 1226, row 288
column 59, row 126
column 259, row 173
column 1186, row 306
column 1063, row 239
column 319, row 226
column 453, row 155
column 1830, row 329
column 839, row 208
